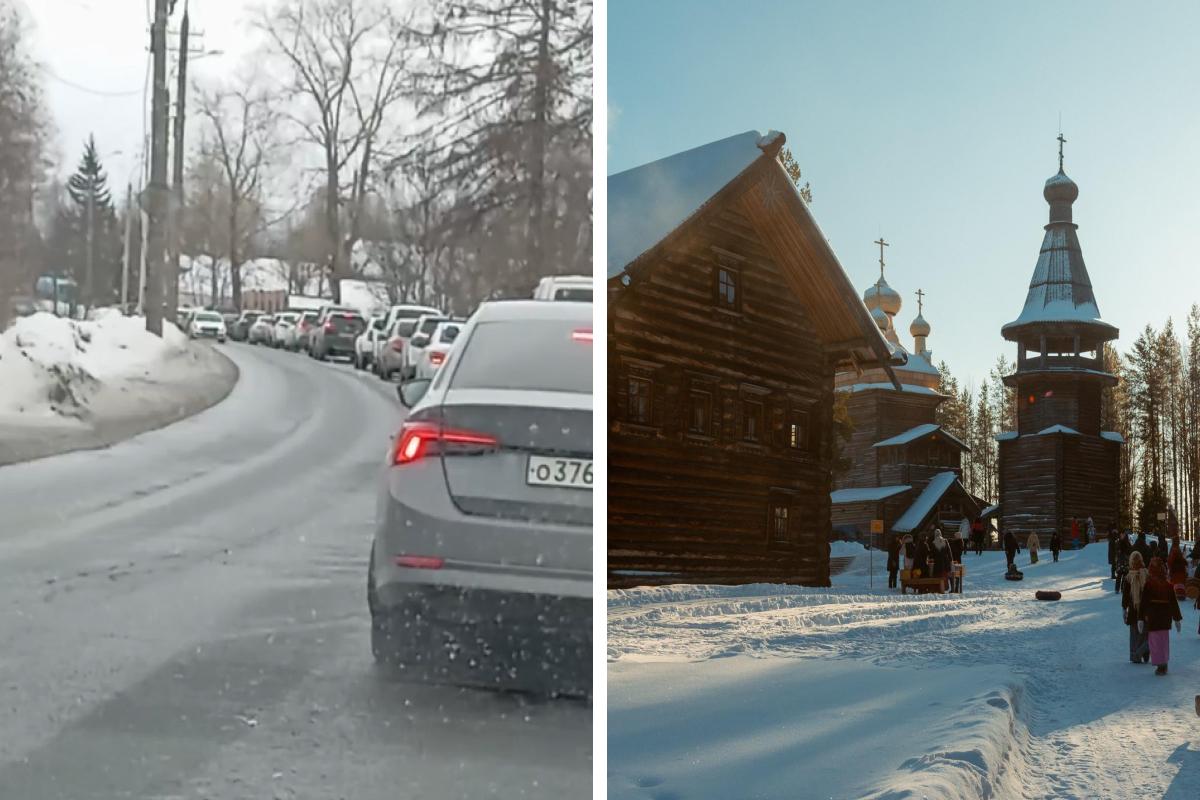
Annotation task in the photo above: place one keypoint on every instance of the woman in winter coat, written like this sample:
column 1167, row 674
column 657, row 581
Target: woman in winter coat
column 908, row 551
column 893, row 560
column 1055, row 544
column 977, row 536
column 1011, row 548
column 1176, row 564
column 921, row 557
column 1142, row 546
column 1132, row 589
column 1091, row 531
column 1032, row 544
column 1159, row 609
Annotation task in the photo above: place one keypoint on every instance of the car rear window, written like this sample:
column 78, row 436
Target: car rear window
column 208, row 316
column 405, row 328
column 578, row 294
column 430, row 325
column 347, row 323
column 545, row 355
column 448, row 334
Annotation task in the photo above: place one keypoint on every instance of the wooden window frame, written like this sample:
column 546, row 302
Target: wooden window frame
column 648, row 396
column 751, row 395
column 725, row 261
column 694, row 391
column 789, row 502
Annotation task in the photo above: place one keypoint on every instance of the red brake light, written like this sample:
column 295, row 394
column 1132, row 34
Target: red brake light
column 329, row 327
column 420, row 439
column 397, row 344
column 582, row 335
column 419, row 562
column 436, row 358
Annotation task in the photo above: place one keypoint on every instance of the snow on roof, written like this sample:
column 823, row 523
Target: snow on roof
column 1060, row 290
column 1004, row 436
column 921, row 507
column 915, row 362
column 912, row 434
column 1112, row 436
column 647, row 203
column 866, row 495
column 1058, row 429
column 987, row 512
column 904, row 387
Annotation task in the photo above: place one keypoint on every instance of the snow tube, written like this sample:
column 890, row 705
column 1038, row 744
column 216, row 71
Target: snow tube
column 1044, row 595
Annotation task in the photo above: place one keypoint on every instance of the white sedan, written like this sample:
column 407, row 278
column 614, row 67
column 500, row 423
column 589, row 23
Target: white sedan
column 262, row 331
column 441, row 342
column 206, row 324
column 284, row 323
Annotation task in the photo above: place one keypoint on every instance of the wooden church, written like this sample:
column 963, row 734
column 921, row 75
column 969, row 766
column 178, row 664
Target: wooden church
column 728, row 316
column 1058, row 464
column 904, row 468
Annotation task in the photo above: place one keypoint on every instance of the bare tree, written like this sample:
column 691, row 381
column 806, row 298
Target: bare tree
column 22, row 167
column 346, row 69
column 240, row 121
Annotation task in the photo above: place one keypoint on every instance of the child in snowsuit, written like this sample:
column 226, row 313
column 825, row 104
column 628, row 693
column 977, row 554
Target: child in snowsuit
column 893, row 561
column 1055, row 544
column 1132, row 589
column 1033, row 547
column 1159, row 609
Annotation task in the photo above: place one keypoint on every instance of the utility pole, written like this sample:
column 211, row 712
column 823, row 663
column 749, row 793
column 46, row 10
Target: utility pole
column 172, row 273
column 156, row 240
column 125, row 248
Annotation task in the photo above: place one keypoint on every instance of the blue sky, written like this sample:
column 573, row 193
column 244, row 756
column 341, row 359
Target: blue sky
column 934, row 123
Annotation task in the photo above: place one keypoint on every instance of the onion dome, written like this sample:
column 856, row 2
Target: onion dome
column 880, row 295
column 1060, row 189
column 919, row 327
column 881, row 318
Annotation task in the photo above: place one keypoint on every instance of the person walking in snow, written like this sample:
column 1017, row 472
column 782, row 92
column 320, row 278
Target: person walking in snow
column 1159, row 609
column 909, row 552
column 1176, row 564
column 977, row 535
column 1142, row 546
column 1131, row 601
column 1011, row 548
column 958, row 546
column 941, row 555
column 1055, row 544
column 1075, row 534
column 1091, row 531
column 893, row 560
column 921, row 557
column 1112, row 553
column 1032, row 543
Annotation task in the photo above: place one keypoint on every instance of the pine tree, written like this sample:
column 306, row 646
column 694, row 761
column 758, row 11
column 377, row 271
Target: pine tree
column 88, row 186
column 792, row 167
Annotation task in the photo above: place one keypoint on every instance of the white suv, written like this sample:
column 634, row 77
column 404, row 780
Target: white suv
column 415, row 347
column 438, row 349
column 565, row 287
column 394, row 315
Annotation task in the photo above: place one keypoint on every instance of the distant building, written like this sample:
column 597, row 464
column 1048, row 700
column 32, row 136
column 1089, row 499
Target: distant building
column 904, row 468
column 1058, row 464
column 728, row 315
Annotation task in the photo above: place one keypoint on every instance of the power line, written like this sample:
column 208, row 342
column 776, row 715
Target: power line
column 100, row 92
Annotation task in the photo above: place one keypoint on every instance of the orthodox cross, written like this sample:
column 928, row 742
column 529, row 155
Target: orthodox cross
column 882, row 244
column 1061, row 140
column 920, row 298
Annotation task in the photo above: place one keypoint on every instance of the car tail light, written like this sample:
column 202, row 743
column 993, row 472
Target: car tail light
column 582, row 335
column 329, row 327
column 419, row 562
column 420, row 439
column 436, row 358
column 397, row 344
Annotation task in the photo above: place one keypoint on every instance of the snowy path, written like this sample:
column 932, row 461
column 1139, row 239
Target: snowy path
column 1097, row 725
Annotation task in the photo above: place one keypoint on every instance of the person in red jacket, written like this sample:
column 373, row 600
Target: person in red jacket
column 1159, row 608
column 1177, row 564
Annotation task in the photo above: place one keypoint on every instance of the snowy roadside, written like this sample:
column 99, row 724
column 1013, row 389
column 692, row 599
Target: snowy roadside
column 69, row 385
column 854, row 691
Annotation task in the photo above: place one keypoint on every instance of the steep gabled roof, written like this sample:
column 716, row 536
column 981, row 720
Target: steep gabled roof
column 652, row 205
column 920, row 432
column 912, row 518
column 865, row 495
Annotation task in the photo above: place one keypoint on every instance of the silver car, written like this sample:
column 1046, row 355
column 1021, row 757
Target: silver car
column 481, row 569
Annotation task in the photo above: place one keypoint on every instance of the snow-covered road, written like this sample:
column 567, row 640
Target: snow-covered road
column 184, row 615
column 1014, row 697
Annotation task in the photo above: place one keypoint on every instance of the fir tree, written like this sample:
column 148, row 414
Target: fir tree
column 89, row 184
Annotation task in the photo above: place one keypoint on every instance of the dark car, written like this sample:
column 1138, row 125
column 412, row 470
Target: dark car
column 481, row 570
column 241, row 328
column 335, row 332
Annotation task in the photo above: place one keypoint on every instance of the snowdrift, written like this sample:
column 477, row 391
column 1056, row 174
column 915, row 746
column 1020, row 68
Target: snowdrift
column 52, row 366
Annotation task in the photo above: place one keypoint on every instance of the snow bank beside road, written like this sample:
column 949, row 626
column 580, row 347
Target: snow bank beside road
column 71, row 385
column 52, row 366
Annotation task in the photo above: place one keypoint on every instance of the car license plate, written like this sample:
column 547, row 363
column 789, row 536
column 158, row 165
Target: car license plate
column 572, row 473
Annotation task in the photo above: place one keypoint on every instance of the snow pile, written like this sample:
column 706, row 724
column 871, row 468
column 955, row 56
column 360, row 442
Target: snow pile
column 51, row 365
column 771, row 691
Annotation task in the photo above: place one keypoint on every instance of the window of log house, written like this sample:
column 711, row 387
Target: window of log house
column 799, row 432
column 783, row 519
column 700, row 412
column 728, row 288
column 637, row 402
column 752, row 421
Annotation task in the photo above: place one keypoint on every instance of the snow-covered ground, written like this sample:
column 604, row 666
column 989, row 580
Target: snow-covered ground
column 766, row 691
column 67, row 384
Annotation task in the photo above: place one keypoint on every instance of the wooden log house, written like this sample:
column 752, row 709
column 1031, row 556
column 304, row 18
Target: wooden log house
column 1058, row 463
column 728, row 316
